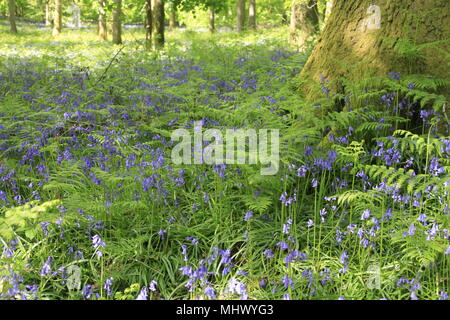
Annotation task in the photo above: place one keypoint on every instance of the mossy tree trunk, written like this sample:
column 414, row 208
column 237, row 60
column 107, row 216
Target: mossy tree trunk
column 328, row 9
column 102, row 29
column 117, row 22
column 252, row 14
column 361, row 39
column 158, row 23
column 57, row 18
column 304, row 22
column 12, row 15
column 240, row 22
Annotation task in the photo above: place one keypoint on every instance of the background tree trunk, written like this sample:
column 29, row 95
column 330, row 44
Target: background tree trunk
column 173, row 23
column 117, row 22
column 240, row 15
column 48, row 19
column 148, row 23
column 57, row 18
column 212, row 18
column 12, row 15
column 304, row 22
column 360, row 37
column 102, row 30
column 158, row 23
column 252, row 14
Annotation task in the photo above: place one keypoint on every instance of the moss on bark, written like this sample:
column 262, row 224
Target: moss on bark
column 354, row 46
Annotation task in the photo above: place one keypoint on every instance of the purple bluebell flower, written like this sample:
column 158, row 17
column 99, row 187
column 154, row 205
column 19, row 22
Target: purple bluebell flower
column 46, row 268
column 162, row 234
column 152, row 285
column 108, row 284
column 87, row 291
column 366, row 214
column 248, row 215
column 143, row 295
column 209, row 292
column 268, row 254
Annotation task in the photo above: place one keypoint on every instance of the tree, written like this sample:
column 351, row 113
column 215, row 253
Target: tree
column 102, row 29
column 117, row 22
column 212, row 18
column 240, row 15
column 12, row 15
column 252, row 14
column 48, row 13
column 173, row 23
column 148, row 22
column 304, row 21
column 57, row 18
column 158, row 23
column 361, row 40
column 328, row 9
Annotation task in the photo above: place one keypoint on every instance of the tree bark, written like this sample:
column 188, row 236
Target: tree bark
column 12, row 15
column 328, row 10
column 240, row 15
column 252, row 14
column 117, row 22
column 361, row 40
column 212, row 20
column 57, row 18
column 102, row 29
column 48, row 19
column 158, row 23
column 304, row 22
column 173, row 23
column 148, row 23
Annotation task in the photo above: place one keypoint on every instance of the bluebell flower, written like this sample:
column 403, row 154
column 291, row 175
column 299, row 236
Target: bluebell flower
column 366, row 214
column 248, row 215
column 46, row 268
column 209, row 291
column 268, row 253
column 87, row 291
column 152, row 285
column 108, row 284
column 162, row 234
column 287, row 282
column 143, row 295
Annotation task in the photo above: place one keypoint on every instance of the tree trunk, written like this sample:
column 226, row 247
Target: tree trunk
column 328, row 10
column 240, row 15
column 158, row 23
column 48, row 19
column 173, row 23
column 102, row 30
column 360, row 40
column 117, row 22
column 12, row 15
column 304, row 22
column 212, row 18
column 148, row 23
column 252, row 14
column 57, row 18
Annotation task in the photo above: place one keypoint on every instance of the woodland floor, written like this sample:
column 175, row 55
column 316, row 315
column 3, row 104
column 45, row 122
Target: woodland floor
column 85, row 137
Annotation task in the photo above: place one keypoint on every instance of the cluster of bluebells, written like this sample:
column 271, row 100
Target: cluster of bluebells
column 115, row 155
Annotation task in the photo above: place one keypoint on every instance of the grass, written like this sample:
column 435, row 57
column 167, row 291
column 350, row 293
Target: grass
column 87, row 181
